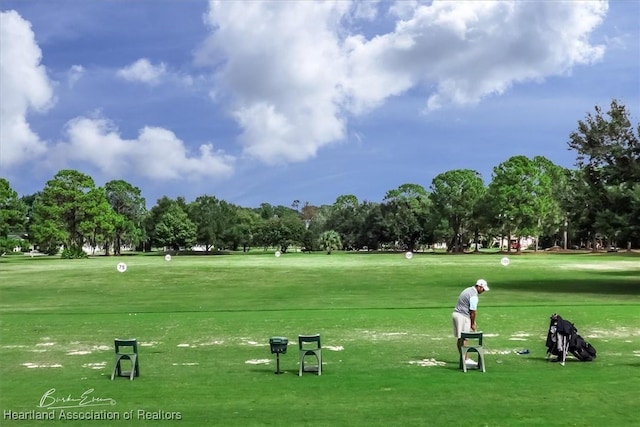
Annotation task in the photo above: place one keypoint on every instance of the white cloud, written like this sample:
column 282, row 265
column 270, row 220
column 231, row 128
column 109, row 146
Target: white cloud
column 143, row 71
column 24, row 87
column 294, row 71
column 156, row 153
column 365, row 9
column 468, row 50
column 74, row 74
column 283, row 70
column 495, row 45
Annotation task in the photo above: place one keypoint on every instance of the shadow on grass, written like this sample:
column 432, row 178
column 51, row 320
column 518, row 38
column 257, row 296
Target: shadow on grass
column 272, row 371
column 620, row 273
column 589, row 286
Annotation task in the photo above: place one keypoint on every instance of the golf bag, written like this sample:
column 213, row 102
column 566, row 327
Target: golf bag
column 563, row 338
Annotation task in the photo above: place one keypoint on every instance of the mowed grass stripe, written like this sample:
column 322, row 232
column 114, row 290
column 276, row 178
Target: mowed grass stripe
column 302, row 281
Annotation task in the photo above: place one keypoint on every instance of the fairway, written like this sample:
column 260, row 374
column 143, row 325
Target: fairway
column 203, row 325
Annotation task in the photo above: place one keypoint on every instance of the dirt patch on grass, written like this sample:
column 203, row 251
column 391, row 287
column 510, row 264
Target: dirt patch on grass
column 334, row 347
column 604, row 334
column 258, row 361
column 376, row 335
column 427, row 363
column 252, row 343
column 32, row 365
column 499, row 351
column 98, row 365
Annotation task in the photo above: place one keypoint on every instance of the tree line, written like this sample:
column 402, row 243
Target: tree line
column 598, row 202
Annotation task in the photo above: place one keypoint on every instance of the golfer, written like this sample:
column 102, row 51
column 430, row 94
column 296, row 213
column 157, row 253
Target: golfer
column 464, row 315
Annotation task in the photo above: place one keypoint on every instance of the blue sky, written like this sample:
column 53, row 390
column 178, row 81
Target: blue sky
column 270, row 102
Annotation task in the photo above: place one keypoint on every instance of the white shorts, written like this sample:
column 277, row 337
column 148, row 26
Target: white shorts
column 461, row 323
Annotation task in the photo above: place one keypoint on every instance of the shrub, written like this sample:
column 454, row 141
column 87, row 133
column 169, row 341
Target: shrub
column 7, row 245
column 73, row 252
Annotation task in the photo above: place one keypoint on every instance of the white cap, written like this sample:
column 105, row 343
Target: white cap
column 483, row 284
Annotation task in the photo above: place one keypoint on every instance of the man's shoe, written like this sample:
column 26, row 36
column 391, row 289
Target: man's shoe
column 471, row 362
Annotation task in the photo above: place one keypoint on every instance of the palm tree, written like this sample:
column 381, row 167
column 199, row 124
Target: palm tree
column 330, row 241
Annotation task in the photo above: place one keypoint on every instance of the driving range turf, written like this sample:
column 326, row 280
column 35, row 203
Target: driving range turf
column 203, row 325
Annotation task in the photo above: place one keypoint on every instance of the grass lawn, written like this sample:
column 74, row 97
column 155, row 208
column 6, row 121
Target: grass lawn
column 203, row 325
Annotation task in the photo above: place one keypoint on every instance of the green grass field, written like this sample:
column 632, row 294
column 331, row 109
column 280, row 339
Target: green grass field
column 203, row 324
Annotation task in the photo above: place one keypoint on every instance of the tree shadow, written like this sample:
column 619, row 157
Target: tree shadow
column 620, row 273
column 601, row 286
column 272, row 370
